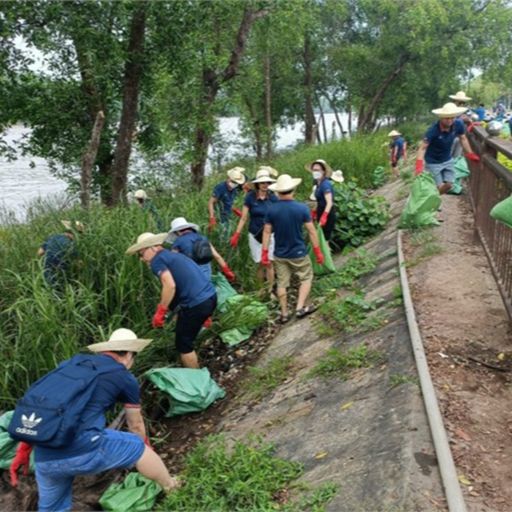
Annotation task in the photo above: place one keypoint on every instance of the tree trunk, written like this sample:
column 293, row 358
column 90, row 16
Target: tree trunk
column 322, row 118
column 268, row 108
column 309, row 115
column 88, row 160
column 349, row 108
column 131, row 84
column 255, row 127
column 336, row 113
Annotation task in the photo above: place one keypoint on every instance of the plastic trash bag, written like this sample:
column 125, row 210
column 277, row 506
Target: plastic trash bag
column 134, row 494
column 461, row 171
column 224, row 291
column 328, row 265
column 502, row 211
column 189, row 390
column 7, row 443
column 422, row 204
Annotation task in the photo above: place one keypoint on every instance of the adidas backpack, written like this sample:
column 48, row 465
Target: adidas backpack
column 49, row 414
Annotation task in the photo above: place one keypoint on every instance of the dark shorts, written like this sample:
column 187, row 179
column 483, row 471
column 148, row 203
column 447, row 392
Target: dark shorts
column 189, row 323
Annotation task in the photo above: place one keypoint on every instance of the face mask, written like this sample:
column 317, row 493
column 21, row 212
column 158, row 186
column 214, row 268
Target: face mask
column 317, row 175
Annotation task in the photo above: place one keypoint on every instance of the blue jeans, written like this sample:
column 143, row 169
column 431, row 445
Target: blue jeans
column 55, row 477
column 442, row 173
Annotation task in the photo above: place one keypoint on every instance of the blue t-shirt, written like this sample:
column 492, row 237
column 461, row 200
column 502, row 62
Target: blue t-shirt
column 185, row 245
column 397, row 143
column 440, row 142
column 118, row 386
column 192, row 286
column 481, row 113
column 324, row 187
column 225, row 197
column 58, row 250
column 258, row 209
column 287, row 219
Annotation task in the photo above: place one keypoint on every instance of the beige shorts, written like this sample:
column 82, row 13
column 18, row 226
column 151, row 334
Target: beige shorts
column 285, row 268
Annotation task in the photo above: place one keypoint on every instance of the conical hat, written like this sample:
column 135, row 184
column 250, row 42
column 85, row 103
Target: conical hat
column 121, row 340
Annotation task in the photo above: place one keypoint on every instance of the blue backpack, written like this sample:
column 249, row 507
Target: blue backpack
column 49, row 414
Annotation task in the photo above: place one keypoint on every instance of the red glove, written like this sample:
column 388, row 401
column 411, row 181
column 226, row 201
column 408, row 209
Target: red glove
column 211, row 223
column 318, row 255
column 419, row 167
column 323, row 219
column 234, row 239
column 21, row 459
column 313, row 214
column 230, row 275
column 393, row 161
column 237, row 211
column 473, row 157
column 208, row 323
column 147, row 442
column 159, row 316
column 264, row 257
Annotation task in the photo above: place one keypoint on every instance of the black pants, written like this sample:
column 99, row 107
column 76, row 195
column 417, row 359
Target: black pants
column 331, row 221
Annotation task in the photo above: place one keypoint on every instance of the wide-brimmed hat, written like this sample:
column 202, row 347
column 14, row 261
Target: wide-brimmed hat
column 180, row 223
column 140, row 194
column 337, row 176
column 285, row 183
column 273, row 172
column 263, row 176
column 237, row 175
column 146, row 240
column 312, row 197
column 394, row 133
column 326, row 166
column 121, row 340
column 449, row 110
column 70, row 226
column 459, row 96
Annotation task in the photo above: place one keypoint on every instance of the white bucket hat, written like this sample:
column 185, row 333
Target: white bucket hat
column 273, row 172
column 394, row 133
column 121, row 340
column 70, row 226
column 449, row 110
column 140, row 194
column 263, row 176
column 285, row 183
column 337, row 176
column 326, row 166
column 180, row 223
column 460, row 96
column 237, row 175
column 146, row 240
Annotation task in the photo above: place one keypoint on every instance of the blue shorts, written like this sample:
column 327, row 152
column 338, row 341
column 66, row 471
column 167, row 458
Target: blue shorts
column 442, row 173
column 55, row 477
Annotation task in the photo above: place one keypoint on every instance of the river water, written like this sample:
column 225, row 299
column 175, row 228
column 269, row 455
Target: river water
column 26, row 179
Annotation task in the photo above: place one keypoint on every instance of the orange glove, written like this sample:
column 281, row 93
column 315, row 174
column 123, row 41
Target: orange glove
column 21, row 460
column 234, row 239
column 237, row 211
column 230, row 275
column 264, row 257
column 473, row 157
column 208, row 323
column 419, row 167
column 318, row 255
column 159, row 316
column 323, row 219
column 211, row 223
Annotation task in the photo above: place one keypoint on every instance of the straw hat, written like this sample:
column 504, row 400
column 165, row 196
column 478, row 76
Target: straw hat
column 285, row 183
column 460, row 96
column 237, row 175
column 146, row 240
column 337, row 176
column 140, row 194
column 120, row 340
column 263, row 176
column 449, row 110
column 326, row 166
column 394, row 133
column 273, row 172
column 180, row 223
column 312, row 197
column 70, row 226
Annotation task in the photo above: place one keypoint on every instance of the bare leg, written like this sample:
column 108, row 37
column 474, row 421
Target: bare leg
column 283, row 300
column 270, row 275
column 189, row 360
column 260, row 273
column 304, row 289
column 151, row 466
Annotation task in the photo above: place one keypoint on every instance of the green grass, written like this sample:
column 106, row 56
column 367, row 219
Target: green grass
column 264, row 380
column 426, row 245
column 338, row 363
column 246, row 476
column 397, row 379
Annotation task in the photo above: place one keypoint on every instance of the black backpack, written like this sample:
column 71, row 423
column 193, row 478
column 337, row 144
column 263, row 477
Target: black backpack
column 202, row 251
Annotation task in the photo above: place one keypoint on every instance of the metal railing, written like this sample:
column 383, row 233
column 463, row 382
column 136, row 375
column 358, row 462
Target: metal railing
column 490, row 182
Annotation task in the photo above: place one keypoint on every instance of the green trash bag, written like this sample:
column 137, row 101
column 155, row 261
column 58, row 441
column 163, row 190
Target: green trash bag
column 7, row 443
column 134, row 494
column 461, row 172
column 224, row 291
column 422, row 204
column 328, row 265
column 235, row 336
column 378, row 176
column 190, row 390
column 502, row 211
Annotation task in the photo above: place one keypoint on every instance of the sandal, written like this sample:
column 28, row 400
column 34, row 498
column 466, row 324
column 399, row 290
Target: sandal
column 283, row 319
column 301, row 313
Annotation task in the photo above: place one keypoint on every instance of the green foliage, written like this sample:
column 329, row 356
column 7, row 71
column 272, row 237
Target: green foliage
column 425, row 242
column 338, row 363
column 262, row 381
column 397, row 379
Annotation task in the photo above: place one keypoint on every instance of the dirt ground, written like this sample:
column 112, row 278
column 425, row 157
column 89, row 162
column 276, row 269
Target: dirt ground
column 468, row 343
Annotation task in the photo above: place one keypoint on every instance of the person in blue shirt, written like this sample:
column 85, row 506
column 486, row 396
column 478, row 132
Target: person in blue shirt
column 58, row 252
column 187, row 234
column 397, row 150
column 434, row 153
column 223, row 197
column 96, row 448
column 185, row 288
column 480, row 111
column 256, row 205
column 286, row 219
